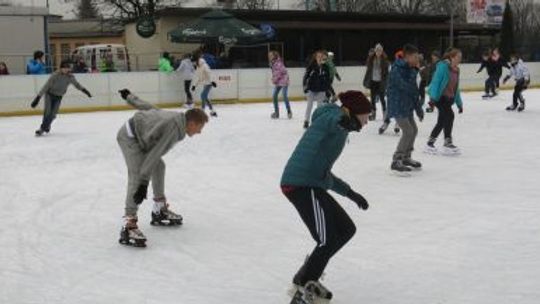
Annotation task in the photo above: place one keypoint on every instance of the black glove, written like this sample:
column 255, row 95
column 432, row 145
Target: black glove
column 85, row 91
column 327, row 94
column 35, row 102
column 460, row 109
column 506, row 79
column 141, row 192
column 306, row 90
column 214, row 84
column 419, row 113
column 350, row 123
column 193, row 88
column 124, row 93
column 358, row 199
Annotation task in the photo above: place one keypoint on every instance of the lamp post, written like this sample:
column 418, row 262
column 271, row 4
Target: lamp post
column 46, row 36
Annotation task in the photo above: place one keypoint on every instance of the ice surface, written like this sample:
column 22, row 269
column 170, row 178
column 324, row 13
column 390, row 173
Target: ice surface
column 464, row 230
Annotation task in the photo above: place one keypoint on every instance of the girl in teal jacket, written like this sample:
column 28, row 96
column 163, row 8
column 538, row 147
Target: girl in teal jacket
column 307, row 178
column 444, row 92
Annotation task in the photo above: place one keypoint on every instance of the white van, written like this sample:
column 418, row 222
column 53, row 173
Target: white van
column 95, row 57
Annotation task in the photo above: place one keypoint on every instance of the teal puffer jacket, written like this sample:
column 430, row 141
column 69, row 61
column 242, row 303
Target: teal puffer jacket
column 311, row 163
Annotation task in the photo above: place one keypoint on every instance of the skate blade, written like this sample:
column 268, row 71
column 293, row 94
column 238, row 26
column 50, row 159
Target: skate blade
column 446, row 152
column 431, row 151
column 167, row 224
column 401, row 173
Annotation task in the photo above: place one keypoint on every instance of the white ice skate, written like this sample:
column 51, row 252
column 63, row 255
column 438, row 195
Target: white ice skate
column 312, row 293
column 449, row 149
column 130, row 234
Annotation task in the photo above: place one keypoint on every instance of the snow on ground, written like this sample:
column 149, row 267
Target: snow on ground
column 464, row 230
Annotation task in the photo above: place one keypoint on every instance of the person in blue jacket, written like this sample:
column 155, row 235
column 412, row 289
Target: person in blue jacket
column 403, row 101
column 36, row 66
column 307, row 178
column 444, row 91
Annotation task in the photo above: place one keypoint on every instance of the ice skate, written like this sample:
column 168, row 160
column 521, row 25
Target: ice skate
column 511, row 108
column 409, row 162
column 400, row 169
column 373, row 115
column 275, row 115
column 213, row 113
column 521, row 107
column 449, row 148
column 39, row 132
column 430, row 147
column 429, row 110
column 312, row 293
column 289, row 115
column 383, row 128
column 130, row 234
column 487, row 96
column 306, row 124
column 165, row 217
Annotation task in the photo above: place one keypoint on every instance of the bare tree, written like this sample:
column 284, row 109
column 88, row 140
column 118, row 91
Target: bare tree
column 86, row 9
column 255, row 4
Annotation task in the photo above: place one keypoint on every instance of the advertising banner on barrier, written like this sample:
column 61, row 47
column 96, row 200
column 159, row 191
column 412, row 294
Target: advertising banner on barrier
column 485, row 11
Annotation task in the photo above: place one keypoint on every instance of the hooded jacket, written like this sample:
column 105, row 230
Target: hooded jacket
column 440, row 82
column 403, row 93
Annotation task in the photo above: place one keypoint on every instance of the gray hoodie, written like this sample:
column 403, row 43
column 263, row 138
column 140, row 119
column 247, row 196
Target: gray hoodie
column 58, row 83
column 156, row 131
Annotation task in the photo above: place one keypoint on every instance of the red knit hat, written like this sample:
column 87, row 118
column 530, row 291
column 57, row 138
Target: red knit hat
column 356, row 102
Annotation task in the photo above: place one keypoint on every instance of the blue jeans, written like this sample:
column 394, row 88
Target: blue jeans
column 285, row 98
column 52, row 105
column 204, row 97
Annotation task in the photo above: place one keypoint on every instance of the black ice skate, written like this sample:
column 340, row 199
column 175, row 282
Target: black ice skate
column 275, row 115
column 396, row 129
column 383, row 128
column 373, row 115
column 511, row 108
column 399, row 168
column 39, row 132
column 165, row 217
column 130, row 234
column 306, row 124
column 213, row 114
column 289, row 115
column 487, row 96
column 409, row 162
column 521, row 107
column 430, row 147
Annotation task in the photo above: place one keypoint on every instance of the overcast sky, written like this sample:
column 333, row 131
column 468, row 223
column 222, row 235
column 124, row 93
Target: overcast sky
column 66, row 7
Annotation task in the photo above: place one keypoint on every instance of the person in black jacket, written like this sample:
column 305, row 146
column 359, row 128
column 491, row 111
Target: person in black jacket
column 490, row 85
column 316, row 83
column 494, row 68
column 426, row 75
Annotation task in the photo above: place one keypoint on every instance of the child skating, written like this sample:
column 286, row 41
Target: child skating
column 144, row 139
column 204, row 77
column 403, row 102
column 308, row 177
column 280, row 79
column 316, row 83
column 520, row 72
column 444, row 91
column 54, row 90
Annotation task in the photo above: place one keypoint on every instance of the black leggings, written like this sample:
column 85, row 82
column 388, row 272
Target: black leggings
column 187, row 87
column 328, row 223
column 445, row 119
column 518, row 89
column 492, row 83
column 377, row 93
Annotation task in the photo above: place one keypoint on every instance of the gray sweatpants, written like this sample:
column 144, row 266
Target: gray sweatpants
column 406, row 143
column 134, row 157
column 319, row 97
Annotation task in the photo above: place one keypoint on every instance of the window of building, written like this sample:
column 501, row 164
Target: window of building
column 65, row 51
column 53, row 54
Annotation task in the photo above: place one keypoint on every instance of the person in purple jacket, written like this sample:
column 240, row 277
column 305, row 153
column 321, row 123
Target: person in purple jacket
column 280, row 79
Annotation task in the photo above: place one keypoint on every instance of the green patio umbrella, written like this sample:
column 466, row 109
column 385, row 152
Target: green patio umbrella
column 217, row 26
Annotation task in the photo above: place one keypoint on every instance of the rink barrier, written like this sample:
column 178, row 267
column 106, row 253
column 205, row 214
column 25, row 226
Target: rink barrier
column 166, row 90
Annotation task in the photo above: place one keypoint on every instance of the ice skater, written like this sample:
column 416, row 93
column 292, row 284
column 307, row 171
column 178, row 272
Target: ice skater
column 444, row 91
column 333, row 74
column 403, row 102
column 490, row 86
column 54, row 90
column 280, row 79
column 375, row 80
column 521, row 74
column 316, row 83
column 187, row 72
column 498, row 63
column 204, row 77
column 144, row 139
column 428, row 71
column 308, row 177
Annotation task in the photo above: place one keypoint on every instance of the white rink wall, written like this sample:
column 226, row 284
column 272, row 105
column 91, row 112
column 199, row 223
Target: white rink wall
column 16, row 92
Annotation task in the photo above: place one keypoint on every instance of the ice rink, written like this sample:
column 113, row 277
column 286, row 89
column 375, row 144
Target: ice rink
column 465, row 230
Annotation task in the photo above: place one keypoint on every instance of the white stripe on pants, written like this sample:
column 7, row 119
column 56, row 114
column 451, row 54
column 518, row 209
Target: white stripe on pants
column 320, row 222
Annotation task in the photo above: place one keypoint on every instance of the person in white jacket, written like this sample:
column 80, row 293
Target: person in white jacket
column 521, row 74
column 186, row 70
column 204, row 77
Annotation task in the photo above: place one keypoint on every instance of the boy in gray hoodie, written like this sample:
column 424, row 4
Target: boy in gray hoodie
column 144, row 139
column 54, row 89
